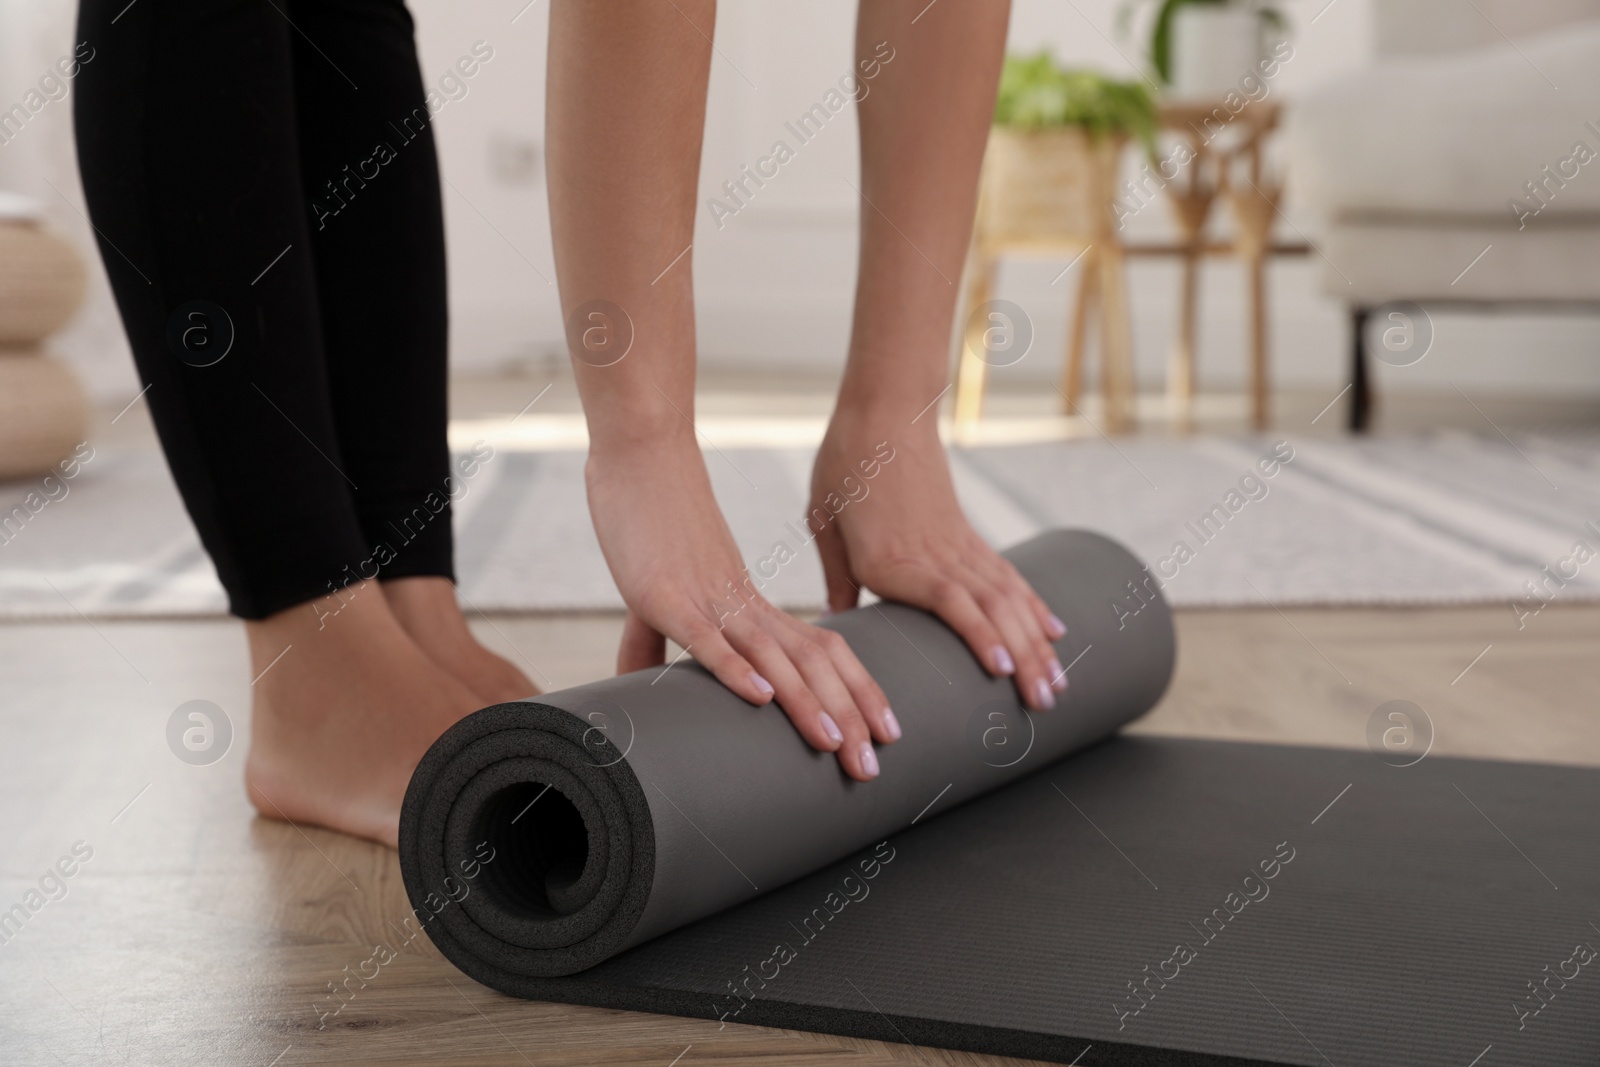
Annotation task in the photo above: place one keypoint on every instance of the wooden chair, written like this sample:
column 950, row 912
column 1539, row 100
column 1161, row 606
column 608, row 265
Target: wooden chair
column 1226, row 161
column 1043, row 198
column 1050, row 193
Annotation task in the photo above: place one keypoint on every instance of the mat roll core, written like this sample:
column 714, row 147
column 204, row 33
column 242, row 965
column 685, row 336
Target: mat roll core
column 617, row 811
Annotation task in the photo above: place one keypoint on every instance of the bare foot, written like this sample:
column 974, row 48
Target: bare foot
column 345, row 704
column 427, row 610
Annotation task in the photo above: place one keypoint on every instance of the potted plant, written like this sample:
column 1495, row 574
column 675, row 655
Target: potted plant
column 1051, row 167
column 1049, row 184
column 1201, row 48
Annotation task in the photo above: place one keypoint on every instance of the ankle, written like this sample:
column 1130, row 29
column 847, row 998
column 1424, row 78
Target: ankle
column 358, row 608
column 427, row 609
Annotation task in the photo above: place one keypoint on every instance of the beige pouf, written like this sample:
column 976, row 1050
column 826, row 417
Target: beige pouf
column 41, row 282
column 44, row 414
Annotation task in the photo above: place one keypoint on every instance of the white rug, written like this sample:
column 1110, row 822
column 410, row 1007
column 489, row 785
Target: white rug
column 1435, row 519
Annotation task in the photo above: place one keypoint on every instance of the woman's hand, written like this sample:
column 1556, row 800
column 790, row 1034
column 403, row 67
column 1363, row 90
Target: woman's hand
column 676, row 564
column 900, row 532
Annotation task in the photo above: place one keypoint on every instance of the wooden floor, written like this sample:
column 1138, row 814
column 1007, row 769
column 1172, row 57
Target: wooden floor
column 200, row 934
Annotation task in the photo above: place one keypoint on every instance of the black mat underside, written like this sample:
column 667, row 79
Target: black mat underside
column 1406, row 926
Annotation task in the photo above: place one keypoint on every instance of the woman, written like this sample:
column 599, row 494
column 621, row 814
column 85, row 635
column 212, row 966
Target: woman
column 296, row 363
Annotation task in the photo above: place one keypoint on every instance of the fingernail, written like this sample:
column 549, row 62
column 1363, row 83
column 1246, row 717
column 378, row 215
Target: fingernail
column 1058, row 677
column 831, row 728
column 761, row 683
column 1047, row 699
column 869, row 760
column 891, row 725
column 1056, row 627
column 1002, row 660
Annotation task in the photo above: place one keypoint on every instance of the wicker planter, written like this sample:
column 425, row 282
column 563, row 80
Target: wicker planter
column 1048, row 186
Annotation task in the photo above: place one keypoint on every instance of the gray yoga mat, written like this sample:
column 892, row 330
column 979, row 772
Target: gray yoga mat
column 621, row 810
column 1132, row 901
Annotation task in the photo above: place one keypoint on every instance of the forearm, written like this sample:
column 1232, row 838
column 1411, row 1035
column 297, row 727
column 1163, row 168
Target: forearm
column 625, row 111
column 924, row 123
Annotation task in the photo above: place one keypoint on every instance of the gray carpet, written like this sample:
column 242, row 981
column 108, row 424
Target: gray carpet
column 1441, row 518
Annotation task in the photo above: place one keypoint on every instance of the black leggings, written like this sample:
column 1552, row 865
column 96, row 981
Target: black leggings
column 262, row 177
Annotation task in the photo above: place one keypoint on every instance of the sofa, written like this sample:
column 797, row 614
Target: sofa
column 1462, row 167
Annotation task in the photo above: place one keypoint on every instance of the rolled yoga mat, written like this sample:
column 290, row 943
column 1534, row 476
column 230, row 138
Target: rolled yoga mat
column 627, row 808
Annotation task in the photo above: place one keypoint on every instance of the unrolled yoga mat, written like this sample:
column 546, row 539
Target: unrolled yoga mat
column 1403, row 925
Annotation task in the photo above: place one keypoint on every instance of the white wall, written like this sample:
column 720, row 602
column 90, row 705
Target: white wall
column 775, row 281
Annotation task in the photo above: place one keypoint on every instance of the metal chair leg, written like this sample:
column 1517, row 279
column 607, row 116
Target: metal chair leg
column 1360, row 384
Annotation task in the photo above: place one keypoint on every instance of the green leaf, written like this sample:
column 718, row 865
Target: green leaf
column 1035, row 93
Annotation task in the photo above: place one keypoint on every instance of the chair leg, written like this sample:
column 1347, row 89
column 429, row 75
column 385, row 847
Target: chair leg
column 1181, row 362
column 1360, row 385
column 1116, row 343
column 1077, row 338
column 971, row 371
column 1259, row 373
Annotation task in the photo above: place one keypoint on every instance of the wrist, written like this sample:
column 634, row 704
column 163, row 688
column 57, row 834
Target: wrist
column 902, row 420
column 625, row 435
column 867, row 395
